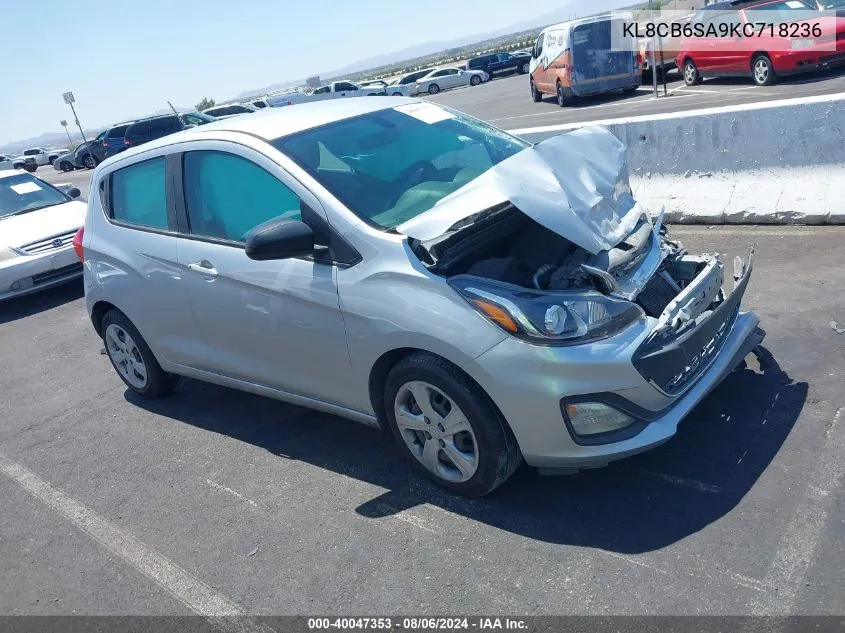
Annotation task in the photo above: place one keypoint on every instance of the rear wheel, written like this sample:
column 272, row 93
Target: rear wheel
column 433, row 89
column 691, row 75
column 66, row 166
column 89, row 161
column 132, row 358
column 30, row 167
column 562, row 97
column 448, row 427
column 630, row 89
column 536, row 96
column 762, row 71
column 523, row 68
column 474, row 80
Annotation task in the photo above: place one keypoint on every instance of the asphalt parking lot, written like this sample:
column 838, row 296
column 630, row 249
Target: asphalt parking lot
column 237, row 503
column 506, row 102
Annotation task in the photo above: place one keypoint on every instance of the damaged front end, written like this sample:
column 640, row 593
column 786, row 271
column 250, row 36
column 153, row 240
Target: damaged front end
column 562, row 277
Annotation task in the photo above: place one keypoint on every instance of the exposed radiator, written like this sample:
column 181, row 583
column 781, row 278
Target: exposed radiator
column 656, row 295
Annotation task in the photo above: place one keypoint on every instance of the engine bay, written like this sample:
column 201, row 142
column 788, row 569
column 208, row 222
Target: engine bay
column 505, row 245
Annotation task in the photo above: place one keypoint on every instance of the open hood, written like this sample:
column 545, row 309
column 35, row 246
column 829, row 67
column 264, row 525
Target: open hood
column 575, row 184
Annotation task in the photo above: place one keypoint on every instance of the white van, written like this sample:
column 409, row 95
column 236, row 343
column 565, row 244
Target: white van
column 584, row 57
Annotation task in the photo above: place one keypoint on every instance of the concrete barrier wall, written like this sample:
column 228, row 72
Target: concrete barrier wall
column 772, row 162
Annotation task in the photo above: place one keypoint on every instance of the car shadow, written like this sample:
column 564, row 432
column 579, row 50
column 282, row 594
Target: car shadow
column 636, row 505
column 29, row 305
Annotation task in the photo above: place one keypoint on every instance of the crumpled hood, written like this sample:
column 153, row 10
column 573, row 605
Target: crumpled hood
column 19, row 230
column 575, row 184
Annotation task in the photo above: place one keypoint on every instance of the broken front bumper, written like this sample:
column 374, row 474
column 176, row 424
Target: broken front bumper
column 657, row 380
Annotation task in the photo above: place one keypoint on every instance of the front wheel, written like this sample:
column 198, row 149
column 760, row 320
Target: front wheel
column 433, row 89
column 536, row 96
column 132, row 358
column 89, row 161
column 448, row 427
column 474, row 80
column 523, row 68
column 691, row 75
column 30, row 167
column 65, row 166
column 762, row 71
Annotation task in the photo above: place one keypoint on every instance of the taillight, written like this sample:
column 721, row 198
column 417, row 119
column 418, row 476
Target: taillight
column 126, row 141
column 77, row 243
column 639, row 60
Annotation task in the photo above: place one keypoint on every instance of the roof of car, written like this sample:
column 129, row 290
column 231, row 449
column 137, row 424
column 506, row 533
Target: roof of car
column 272, row 123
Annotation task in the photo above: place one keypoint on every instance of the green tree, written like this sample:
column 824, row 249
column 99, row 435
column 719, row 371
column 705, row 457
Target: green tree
column 205, row 104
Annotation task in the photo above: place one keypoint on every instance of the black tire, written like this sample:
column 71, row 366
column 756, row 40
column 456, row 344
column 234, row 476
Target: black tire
column 630, row 89
column 159, row 383
column 562, row 99
column 498, row 452
column 89, row 161
column 762, row 70
column 523, row 68
column 536, row 95
column 66, row 165
column 397, row 94
column 690, row 73
column 474, row 80
column 433, row 89
column 30, row 167
column 52, row 160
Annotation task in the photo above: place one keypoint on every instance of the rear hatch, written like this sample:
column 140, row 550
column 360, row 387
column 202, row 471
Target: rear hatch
column 598, row 61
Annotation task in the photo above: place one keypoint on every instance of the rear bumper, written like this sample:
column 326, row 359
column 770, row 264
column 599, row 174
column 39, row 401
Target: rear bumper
column 600, row 85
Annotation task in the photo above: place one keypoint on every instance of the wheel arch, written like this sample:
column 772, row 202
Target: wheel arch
column 388, row 360
column 757, row 54
column 99, row 311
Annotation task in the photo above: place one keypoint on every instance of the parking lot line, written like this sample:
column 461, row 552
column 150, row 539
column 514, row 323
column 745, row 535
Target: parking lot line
column 190, row 591
column 797, row 547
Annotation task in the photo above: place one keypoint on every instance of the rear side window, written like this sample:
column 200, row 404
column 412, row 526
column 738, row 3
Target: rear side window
column 138, row 129
column 117, row 132
column 138, row 194
column 164, row 125
column 227, row 196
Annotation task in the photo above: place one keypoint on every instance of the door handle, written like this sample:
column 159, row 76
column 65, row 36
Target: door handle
column 203, row 268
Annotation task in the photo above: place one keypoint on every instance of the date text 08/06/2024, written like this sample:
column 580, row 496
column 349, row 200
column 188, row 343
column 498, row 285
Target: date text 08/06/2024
column 416, row 624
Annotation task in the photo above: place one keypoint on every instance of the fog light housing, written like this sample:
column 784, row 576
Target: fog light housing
column 594, row 418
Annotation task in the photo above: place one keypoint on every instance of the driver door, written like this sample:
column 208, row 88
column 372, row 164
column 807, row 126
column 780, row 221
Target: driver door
column 270, row 323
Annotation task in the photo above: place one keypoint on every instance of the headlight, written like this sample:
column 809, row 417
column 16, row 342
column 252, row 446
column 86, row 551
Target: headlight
column 593, row 418
column 549, row 318
column 801, row 43
column 6, row 254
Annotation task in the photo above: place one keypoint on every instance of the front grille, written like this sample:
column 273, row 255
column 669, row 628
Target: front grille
column 49, row 244
column 656, row 295
column 52, row 275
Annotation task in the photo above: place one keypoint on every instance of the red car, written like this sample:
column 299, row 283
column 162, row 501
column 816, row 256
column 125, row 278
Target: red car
column 764, row 40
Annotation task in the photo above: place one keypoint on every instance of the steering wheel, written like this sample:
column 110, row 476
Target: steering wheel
column 419, row 172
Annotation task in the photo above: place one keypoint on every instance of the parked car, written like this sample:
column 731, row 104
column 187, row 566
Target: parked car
column 499, row 63
column 113, row 141
column 259, row 104
column 766, row 57
column 410, row 78
column 578, row 58
column 446, row 78
column 146, row 130
column 408, row 266
column 17, row 162
column 334, row 90
column 665, row 49
column 37, row 225
column 85, row 156
column 41, row 156
column 232, row 109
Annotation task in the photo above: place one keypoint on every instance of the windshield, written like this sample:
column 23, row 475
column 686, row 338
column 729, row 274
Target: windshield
column 21, row 193
column 784, row 12
column 392, row 165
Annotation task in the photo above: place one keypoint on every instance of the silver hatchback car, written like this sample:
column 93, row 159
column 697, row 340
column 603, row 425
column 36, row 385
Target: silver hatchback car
column 482, row 299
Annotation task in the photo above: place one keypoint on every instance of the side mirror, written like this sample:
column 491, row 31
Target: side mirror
column 73, row 192
column 279, row 239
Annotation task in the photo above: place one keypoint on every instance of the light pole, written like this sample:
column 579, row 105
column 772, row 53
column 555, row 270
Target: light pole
column 64, row 125
column 68, row 97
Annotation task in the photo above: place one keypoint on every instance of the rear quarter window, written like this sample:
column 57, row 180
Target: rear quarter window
column 139, row 196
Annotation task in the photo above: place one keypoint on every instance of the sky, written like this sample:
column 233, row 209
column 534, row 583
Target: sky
column 123, row 58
